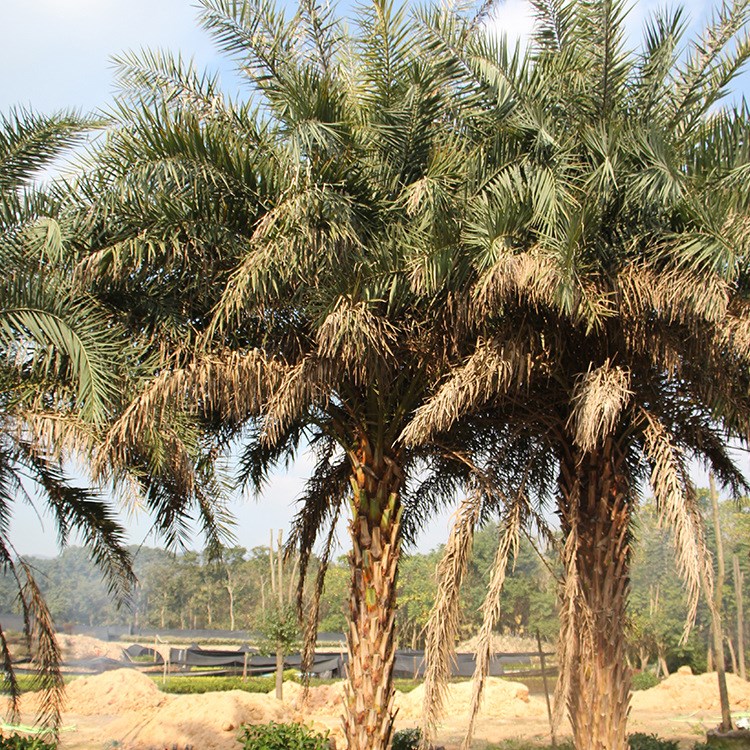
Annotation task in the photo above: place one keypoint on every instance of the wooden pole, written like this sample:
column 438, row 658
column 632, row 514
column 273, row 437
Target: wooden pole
column 714, row 604
column 546, row 690
column 739, row 579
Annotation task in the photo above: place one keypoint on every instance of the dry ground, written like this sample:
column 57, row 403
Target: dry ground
column 125, row 709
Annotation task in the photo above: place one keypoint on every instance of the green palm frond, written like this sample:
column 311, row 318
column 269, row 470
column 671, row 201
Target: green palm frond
column 152, row 76
column 81, row 511
column 710, row 66
column 42, row 330
column 30, row 142
column 661, row 38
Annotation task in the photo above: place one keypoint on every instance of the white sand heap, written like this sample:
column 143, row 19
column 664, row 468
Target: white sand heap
column 502, row 699
column 684, row 692
column 113, row 693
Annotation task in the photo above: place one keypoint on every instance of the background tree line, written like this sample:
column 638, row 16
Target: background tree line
column 192, row 591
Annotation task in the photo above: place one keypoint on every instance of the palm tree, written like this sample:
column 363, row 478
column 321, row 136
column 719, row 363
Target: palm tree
column 283, row 256
column 58, row 369
column 609, row 318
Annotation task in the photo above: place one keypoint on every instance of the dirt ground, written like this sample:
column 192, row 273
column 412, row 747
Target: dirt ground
column 125, row 709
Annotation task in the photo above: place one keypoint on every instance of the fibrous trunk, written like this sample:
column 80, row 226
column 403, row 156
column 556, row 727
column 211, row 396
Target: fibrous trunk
column 595, row 514
column 376, row 539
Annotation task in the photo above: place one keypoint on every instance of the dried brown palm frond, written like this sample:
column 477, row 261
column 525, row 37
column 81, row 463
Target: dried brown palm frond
column 443, row 624
column 308, row 383
column 494, row 368
column 510, row 529
column 734, row 334
column 312, row 611
column 45, row 653
column 232, row 384
column 599, row 398
column 576, row 621
column 532, row 276
column 356, row 337
column 677, row 505
column 674, row 295
column 59, row 434
column 12, row 689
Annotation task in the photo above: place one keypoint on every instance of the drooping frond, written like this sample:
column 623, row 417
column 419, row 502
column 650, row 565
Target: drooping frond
column 40, row 631
column 599, row 399
column 494, row 368
column 76, row 509
column 235, row 386
column 510, row 529
column 442, row 626
column 676, row 503
column 30, row 142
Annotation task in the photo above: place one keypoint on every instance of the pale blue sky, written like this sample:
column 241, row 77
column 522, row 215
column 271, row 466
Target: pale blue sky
column 55, row 54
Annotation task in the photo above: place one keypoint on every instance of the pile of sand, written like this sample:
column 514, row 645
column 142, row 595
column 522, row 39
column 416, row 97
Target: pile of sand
column 209, row 721
column 76, row 647
column 504, row 644
column 684, row 692
column 113, row 693
column 322, row 700
column 502, row 699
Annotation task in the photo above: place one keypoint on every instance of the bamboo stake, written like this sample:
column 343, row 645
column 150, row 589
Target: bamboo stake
column 546, row 690
column 739, row 579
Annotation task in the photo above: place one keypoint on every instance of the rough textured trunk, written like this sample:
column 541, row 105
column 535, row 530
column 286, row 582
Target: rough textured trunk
column 376, row 541
column 595, row 514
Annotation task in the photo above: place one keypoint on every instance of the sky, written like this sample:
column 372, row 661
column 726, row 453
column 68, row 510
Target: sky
column 56, row 54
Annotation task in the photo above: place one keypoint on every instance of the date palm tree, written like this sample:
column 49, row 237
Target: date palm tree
column 279, row 255
column 609, row 315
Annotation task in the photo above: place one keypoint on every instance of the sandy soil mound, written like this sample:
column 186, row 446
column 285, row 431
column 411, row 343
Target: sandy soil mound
column 502, row 699
column 209, row 721
column 504, row 644
column 322, row 700
column 683, row 693
column 116, row 692
column 75, row 647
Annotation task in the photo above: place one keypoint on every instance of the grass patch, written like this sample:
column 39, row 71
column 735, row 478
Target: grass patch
column 29, row 683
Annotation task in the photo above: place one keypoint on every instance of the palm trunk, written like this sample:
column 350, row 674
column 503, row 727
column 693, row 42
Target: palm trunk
column 595, row 514
column 375, row 532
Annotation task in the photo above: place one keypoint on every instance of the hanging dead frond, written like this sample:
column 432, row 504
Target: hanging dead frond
column 598, row 400
column 510, row 528
column 356, row 337
column 494, row 368
column 310, row 382
column 576, row 621
column 677, row 505
column 444, row 620
column 531, row 277
column 45, row 653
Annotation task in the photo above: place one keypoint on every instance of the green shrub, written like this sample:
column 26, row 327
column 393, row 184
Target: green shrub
column 407, row 739
column 193, row 685
column 21, row 742
column 641, row 741
column 275, row 736
column 644, row 680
